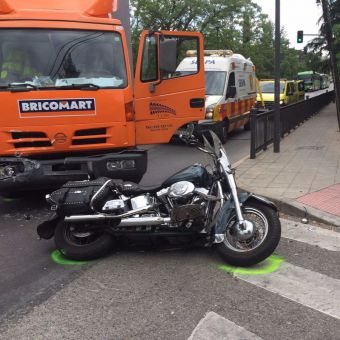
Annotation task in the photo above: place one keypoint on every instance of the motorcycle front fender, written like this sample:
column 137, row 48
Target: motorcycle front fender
column 229, row 206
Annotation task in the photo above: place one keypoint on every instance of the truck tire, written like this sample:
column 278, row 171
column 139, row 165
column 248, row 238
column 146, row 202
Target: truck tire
column 247, row 126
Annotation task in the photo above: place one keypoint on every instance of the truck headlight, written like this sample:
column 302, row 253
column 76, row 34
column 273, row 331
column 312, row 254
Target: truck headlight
column 121, row 165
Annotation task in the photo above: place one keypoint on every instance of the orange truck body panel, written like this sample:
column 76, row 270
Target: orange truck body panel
column 122, row 118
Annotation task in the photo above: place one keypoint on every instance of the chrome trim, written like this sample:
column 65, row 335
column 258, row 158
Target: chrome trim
column 219, row 238
column 105, row 217
column 142, row 221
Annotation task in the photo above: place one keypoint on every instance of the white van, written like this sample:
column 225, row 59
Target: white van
column 230, row 85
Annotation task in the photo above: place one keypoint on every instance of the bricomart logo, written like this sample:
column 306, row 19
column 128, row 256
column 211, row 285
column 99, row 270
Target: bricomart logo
column 57, row 107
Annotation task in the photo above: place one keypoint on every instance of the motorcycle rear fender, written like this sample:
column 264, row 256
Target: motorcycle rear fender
column 46, row 229
column 227, row 209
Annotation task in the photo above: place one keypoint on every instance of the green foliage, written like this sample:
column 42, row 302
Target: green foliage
column 238, row 25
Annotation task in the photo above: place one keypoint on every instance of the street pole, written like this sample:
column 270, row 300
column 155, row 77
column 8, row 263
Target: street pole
column 123, row 14
column 329, row 38
column 277, row 122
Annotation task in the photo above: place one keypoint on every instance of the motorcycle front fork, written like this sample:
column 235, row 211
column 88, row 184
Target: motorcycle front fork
column 244, row 228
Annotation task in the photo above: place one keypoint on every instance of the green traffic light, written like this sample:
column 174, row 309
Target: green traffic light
column 299, row 37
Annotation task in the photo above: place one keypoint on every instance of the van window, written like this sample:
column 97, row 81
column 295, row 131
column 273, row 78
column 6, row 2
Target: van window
column 231, row 83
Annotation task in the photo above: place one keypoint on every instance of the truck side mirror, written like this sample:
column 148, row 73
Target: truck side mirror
column 168, row 55
column 231, row 92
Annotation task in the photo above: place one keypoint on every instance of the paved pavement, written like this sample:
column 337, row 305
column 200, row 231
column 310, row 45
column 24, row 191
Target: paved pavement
column 305, row 174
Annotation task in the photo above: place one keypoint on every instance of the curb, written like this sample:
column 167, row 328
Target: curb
column 298, row 211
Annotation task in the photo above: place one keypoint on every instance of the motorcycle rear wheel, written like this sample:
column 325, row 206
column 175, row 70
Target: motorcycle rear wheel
column 77, row 244
column 261, row 245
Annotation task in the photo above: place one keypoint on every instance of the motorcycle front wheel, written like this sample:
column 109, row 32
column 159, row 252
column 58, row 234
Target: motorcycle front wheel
column 76, row 243
column 266, row 236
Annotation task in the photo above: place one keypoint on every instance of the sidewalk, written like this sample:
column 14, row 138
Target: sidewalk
column 305, row 174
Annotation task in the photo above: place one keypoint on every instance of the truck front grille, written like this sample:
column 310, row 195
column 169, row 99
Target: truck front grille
column 29, row 139
column 90, row 136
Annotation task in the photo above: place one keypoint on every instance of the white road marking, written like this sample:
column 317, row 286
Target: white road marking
column 215, row 327
column 311, row 289
column 323, row 238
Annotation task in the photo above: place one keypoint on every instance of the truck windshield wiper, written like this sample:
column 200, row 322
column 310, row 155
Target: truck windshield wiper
column 85, row 87
column 19, row 87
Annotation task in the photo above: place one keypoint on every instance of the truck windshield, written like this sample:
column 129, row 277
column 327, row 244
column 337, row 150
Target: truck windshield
column 268, row 87
column 48, row 58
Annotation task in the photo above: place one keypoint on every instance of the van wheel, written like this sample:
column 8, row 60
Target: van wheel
column 223, row 135
column 247, row 126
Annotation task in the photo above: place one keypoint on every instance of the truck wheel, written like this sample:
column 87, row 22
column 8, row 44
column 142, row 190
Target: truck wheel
column 247, row 126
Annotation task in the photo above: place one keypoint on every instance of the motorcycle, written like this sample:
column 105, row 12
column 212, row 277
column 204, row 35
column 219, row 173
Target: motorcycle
column 203, row 205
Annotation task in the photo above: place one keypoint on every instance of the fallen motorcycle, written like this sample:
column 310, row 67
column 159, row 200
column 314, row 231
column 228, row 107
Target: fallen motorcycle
column 204, row 205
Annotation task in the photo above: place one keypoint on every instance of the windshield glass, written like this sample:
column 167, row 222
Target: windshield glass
column 268, row 87
column 214, row 81
column 306, row 77
column 56, row 58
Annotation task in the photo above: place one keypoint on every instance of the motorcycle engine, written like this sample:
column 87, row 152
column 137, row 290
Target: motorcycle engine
column 187, row 208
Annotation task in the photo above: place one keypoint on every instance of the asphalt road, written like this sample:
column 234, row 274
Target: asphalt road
column 150, row 294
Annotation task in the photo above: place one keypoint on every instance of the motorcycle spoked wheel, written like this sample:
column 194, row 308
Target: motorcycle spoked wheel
column 78, row 244
column 261, row 245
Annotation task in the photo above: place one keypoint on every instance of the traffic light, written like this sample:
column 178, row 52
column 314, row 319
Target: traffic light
column 299, row 36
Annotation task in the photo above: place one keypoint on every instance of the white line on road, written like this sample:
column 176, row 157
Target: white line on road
column 316, row 236
column 215, row 327
column 311, row 289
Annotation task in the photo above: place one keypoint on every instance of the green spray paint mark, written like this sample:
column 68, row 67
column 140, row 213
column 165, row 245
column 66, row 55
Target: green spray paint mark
column 9, row 200
column 269, row 265
column 59, row 258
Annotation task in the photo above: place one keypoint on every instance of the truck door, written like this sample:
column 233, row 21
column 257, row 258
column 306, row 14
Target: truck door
column 165, row 98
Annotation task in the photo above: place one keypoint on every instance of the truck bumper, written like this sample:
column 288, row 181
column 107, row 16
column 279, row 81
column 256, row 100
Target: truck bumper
column 22, row 174
column 204, row 126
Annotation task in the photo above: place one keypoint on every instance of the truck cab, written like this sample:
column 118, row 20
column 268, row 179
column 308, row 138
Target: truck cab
column 69, row 108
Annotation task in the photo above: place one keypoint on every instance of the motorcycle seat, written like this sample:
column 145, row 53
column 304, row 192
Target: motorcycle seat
column 130, row 188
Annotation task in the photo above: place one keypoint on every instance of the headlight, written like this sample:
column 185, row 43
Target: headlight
column 209, row 112
column 121, row 165
column 281, row 102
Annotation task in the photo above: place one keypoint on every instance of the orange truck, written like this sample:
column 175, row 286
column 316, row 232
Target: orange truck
column 69, row 107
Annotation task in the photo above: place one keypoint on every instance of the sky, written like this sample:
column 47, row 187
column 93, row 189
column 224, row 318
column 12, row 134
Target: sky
column 295, row 15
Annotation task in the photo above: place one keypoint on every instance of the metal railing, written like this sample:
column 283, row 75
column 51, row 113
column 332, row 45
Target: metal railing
column 291, row 116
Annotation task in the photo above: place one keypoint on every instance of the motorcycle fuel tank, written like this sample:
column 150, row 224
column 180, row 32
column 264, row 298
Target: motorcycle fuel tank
column 196, row 174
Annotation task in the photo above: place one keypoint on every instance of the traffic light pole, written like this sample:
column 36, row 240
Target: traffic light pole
column 277, row 120
column 329, row 37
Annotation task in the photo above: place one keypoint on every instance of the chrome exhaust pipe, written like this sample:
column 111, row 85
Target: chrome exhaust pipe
column 105, row 217
column 143, row 221
column 126, row 222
